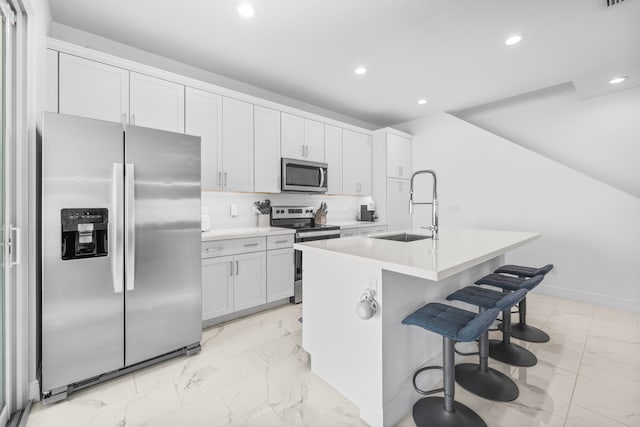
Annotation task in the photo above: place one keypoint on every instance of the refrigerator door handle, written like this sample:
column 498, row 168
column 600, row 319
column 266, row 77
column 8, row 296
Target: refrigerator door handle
column 130, row 233
column 115, row 230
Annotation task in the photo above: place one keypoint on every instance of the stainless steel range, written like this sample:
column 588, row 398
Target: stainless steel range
column 301, row 218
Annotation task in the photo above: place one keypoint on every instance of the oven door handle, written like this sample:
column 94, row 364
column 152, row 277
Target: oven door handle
column 321, row 177
column 328, row 233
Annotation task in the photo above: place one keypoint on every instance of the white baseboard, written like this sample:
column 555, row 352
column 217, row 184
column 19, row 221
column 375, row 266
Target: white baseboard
column 590, row 297
column 34, row 390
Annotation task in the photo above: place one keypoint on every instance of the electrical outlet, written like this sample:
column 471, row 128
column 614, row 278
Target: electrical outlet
column 234, row 209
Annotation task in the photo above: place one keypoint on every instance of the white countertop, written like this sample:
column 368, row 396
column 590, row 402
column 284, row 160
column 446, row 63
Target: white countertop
column 238, row 233
column 456, row 250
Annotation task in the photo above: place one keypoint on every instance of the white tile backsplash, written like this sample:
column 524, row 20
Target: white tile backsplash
column 341, row 208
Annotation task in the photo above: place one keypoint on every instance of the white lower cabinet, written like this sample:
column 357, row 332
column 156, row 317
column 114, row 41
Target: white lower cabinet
column 250, row 286
column 240, row 274
column 217, row 287
column 279, row 274
column 348, row 232
column 366, row 231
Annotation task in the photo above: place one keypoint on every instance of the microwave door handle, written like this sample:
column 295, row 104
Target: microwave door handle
column 321, row 177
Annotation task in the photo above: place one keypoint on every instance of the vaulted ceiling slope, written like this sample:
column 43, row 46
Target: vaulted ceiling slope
column 598, row 136
column 451, row 53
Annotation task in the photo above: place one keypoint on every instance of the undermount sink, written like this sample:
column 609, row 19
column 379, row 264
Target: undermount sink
column 402, row 237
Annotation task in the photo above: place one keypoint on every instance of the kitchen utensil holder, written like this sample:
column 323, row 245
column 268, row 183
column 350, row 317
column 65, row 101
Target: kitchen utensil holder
column 263, row 220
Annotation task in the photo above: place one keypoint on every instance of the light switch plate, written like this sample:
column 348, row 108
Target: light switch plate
column 234, row 209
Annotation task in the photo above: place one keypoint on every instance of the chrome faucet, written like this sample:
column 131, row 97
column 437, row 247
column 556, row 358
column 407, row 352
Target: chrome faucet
column 434, row 203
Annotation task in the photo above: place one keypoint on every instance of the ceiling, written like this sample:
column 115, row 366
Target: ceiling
column 450, row 52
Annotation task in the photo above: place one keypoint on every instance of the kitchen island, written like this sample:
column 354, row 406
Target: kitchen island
column 371, row 362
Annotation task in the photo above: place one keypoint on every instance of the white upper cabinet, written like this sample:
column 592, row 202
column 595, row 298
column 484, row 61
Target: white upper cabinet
column 237, row 145
column 398, row 217
column 266, row 149
column 92, row 89
column 302, row 138
column 314, row 140
column 398, row 157
column 156, row 103
column 292, row 142
column 333, row 157
column 51, row 101
column 203, row 111
column 356, row 163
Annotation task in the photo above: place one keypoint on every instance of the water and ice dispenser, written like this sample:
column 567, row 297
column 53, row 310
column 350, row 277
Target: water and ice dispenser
column 84, row 233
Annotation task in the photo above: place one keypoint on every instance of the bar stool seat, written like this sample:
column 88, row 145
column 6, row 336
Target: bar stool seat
column 478, row 378
column 454, row 324
column 522, row 271
column 510, row 282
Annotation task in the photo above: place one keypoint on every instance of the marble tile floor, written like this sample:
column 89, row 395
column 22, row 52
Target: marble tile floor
column 253, row 372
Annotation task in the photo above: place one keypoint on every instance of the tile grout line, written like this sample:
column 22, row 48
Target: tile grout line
column 584, row 348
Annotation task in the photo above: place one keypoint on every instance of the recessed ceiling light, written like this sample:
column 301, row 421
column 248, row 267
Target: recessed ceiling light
column 619, row 79
column 246, row 10
column 422, row 101
column 360, row 71
column 515, row 39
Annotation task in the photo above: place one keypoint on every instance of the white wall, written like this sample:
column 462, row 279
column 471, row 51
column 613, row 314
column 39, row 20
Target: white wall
column 598, row 136
column 341, row 208
column 83, row 38
column 590, row 230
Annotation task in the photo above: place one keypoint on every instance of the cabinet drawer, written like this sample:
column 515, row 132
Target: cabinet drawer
column 218, row 248
column 348, row 232
column 279, row 242
column 372, row 230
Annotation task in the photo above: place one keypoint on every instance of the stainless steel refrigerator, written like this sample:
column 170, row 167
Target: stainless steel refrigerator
column 121, row 268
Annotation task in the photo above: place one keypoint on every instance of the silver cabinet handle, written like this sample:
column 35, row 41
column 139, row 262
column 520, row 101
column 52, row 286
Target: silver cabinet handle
column 219, row 178
column 230, row 268
column 130, row 225
column 133, row 119
column 302, row 147
column 115, row 230
column 15, row 245
column 400, row 170
column 358, row 187
column 281, row 241
column 237, row 267
column 306, row 147
column 218, row 248
column 225, row 180
column 250, row 244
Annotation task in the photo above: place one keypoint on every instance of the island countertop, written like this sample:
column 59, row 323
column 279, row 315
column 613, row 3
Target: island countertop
column 456, row 250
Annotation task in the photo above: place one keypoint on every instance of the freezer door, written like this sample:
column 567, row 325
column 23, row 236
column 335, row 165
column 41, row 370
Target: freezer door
column 82, row 296
column 162, row 238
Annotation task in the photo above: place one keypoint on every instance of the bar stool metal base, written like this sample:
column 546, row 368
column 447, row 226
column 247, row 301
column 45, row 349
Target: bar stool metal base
column 490, row 384
column 528, row 333
column 511, row 354
column 429, row 411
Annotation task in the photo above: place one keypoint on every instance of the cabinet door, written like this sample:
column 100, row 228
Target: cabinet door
column 398, row 157
column 156, row 103
column 92, row 89
column 217, row 287
column 237, row 145
column 266, row 145
column 366, row 231
column 51, row 101
column 356, row 163
column 292, row 142
column 279, row 274
column 203, row 118
column 314, row 140
column 250, row 284
column 398, row 217
column 333, row 157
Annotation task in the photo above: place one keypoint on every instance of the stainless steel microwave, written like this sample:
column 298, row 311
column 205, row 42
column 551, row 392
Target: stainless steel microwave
column 304, row 176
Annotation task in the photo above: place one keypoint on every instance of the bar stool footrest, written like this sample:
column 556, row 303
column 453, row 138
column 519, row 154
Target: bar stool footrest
column 492, row 384
column 426, row 392
column 429, row 411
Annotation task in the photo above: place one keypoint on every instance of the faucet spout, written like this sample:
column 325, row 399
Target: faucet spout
column 434, row 201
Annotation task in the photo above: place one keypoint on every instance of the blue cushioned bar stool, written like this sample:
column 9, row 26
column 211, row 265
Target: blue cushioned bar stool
column 478, row 378
column 519, row 277
column 454, row 324
column 521, row 330
column 505, row 351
